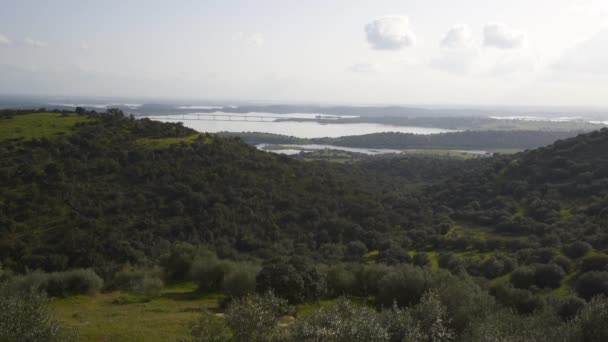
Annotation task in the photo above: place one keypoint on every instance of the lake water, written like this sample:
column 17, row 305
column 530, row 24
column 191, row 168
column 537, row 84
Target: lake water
column 269, row 124
column 290, row 149
column 295, row 149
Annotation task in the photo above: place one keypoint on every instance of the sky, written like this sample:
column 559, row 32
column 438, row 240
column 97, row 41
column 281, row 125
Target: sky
column 441, row 52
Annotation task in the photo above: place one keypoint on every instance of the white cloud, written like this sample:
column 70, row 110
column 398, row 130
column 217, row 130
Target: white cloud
column 502, row 37
column 84, row 46
column 33, row 42
column 390, row 33
column 4, row 40
column 457, row 37
column 253, row 39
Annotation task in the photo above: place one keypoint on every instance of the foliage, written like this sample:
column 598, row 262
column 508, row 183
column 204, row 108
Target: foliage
column 25, row 317
column 254, row 318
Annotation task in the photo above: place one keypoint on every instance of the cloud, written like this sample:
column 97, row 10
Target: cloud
column 33, row 42
column 253, row 39
column 457, row 37
column 84, row 46
column 364, row 68
column 502, row 37
column 390, row 33
column 4, row 40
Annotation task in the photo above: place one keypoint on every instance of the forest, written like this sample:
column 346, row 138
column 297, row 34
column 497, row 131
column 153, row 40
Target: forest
column 400, row 248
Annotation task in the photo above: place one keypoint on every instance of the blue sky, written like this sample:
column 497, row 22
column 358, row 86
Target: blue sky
column 383, row 51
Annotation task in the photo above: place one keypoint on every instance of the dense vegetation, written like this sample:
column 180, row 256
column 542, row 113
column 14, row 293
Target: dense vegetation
column 480, row 140
column 428, row 249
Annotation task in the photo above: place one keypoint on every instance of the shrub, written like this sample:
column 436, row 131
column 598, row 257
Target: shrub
column 60, row 284
column 591, row 284
column 522, row 278
column 240, row 280
column 341, row 322
column 78, row 281
column 254, row 318
column 340, row 281
column 208, row 271
column 296, row 279
column 577, row 249
column 564, row 263
column 210, row 328
column 421, row 259
column 142, row 281
column 550, row 276
column 595, row 263
column 569, row 307
column 404, row 286
column 355, row 250
column 25, row 317
column 590, row 325
column 394, row 255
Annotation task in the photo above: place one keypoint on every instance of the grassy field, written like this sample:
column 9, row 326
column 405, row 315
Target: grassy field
column 119, row 316
column 37, row 125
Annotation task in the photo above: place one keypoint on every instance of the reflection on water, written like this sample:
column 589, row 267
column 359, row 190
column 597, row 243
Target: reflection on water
column 291, row 128
column 289, row 149
column 295, row 149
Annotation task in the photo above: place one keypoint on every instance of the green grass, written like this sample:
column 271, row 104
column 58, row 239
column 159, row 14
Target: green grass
column 119, row 316
column 38, row 125
column 158, row 143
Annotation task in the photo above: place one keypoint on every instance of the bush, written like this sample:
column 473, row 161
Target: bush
column 590, row 325
column 577, row 249
column 78, row 281
column 595, row 263
column 404, row 286
column 522, row 278
column 26, row 317
column 568, row 308
column 296, row 280
column 240, row 280
column 394, row 255
column 564, row 263
column 355, row 250
column 421, row 259
column 254, row 318
column 340, row 281
column 208, row 271
column 548, row 276
column 60, row 284
column 342, row 322
column 591, row 284
column 210, row 328
column 144, row 281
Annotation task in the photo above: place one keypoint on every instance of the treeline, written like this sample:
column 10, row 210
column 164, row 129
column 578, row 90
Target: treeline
column 476, row 140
